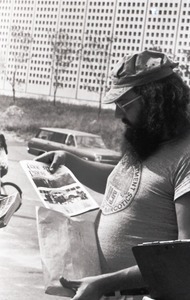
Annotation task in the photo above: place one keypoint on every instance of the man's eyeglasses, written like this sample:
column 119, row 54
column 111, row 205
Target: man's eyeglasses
column 122, row 103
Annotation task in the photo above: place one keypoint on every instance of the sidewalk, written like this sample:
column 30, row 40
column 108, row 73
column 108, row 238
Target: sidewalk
column 21, row 275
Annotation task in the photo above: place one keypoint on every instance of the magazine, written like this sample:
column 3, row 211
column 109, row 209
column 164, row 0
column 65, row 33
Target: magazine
column 8, row 205
column 60, row 191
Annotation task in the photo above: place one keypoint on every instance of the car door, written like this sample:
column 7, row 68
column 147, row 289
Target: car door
column 61, row 141
column 57, row 141
column 39, row 144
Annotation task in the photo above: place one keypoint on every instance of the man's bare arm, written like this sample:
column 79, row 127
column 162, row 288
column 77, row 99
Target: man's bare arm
column 183, row 216
column 93, row 175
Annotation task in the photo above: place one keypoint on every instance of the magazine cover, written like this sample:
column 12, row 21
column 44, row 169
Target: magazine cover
column 60, row 191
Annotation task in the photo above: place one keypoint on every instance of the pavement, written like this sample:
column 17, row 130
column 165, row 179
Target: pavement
column 21, row 276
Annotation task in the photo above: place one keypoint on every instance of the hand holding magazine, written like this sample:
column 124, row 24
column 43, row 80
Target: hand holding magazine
column 60, row 191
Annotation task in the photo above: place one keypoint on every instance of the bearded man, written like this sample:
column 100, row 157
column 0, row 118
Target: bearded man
column 147, row 195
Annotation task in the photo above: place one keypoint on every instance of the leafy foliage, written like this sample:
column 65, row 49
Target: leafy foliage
column 64, row 50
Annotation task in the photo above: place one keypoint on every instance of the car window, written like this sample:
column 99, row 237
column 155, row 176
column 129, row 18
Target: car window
column 59, row 137
column 44, row 134
column 71, row 141
column 90, row 142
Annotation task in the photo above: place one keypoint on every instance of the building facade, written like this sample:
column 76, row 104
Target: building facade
column 106, row 29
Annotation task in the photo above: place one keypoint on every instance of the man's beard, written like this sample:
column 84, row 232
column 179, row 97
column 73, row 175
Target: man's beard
column 144, row 141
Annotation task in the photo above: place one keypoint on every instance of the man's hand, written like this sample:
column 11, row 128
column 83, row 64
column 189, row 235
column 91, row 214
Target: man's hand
column 53, row 158
column 85, row 289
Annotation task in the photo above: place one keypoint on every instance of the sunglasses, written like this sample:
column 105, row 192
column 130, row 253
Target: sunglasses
column 127, row 99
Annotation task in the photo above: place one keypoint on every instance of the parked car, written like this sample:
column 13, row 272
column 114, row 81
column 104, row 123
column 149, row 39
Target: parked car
column 85, row 145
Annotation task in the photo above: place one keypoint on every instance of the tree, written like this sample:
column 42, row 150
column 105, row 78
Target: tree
column 20, row 54
column 64, row 50
column 98, row 47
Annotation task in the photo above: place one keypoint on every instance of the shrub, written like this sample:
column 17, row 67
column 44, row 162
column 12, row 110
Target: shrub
column 41, row 113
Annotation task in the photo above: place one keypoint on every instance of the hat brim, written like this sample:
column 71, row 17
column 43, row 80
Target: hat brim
column 115, row 93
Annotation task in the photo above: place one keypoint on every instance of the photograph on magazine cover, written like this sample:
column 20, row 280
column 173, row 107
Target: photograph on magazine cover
column 60, row 191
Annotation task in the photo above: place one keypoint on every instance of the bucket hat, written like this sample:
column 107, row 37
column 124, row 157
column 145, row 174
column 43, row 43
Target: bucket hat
column 138, row 69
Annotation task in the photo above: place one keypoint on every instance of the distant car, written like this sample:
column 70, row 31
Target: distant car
column 85, row 145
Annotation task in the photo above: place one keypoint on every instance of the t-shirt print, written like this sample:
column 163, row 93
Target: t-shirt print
column 122, row 185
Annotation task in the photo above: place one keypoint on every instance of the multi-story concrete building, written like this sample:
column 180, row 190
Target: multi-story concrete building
column 107, row 29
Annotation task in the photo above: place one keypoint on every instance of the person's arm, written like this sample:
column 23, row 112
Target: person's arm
column 93, row 175
column 182, row 206
column 95, row 287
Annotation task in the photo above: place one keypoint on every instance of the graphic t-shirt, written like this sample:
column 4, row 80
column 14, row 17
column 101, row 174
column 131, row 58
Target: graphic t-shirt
column 139, row 202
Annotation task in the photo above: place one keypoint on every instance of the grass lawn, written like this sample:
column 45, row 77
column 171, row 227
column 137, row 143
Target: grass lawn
column 32, row 114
